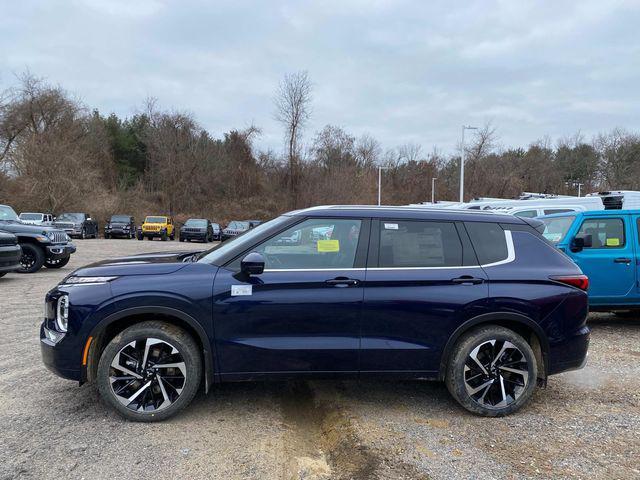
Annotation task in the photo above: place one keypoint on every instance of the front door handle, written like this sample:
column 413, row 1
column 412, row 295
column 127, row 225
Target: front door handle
column 342, row 282
column 622, row 260
column 467, row 280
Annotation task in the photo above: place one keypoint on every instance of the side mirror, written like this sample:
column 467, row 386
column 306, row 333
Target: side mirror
column 580, row 242
column 252, row 264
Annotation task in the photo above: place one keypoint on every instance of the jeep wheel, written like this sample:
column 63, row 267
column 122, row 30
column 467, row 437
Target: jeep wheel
column 59, row 263
column 83, row 235
column 492, row 371
column 150, row 371
column 32, row 258
column 163, row 236
column 106, row 236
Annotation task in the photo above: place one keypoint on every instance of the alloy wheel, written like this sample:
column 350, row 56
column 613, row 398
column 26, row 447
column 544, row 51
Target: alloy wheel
column 148, row 375
column 496, row 374
column 27, row 260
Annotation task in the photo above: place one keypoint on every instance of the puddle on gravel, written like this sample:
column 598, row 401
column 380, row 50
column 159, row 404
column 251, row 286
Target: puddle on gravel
column 321, row 443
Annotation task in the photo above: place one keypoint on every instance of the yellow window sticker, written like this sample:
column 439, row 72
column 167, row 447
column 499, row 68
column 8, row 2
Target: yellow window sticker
column 328, row 245
column 613, row 242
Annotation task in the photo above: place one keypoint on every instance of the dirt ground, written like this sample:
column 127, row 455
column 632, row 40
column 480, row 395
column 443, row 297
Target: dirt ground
column 585, row 424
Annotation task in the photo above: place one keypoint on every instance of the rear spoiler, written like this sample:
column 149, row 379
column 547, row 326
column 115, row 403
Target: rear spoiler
column 537, row 225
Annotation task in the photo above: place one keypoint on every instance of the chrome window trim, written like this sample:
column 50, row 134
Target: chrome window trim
column 511, row 256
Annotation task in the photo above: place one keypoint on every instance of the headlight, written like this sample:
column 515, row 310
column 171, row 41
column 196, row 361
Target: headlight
column 43, row 238
column 62, row 313
column 51, row 236
column 87, row 280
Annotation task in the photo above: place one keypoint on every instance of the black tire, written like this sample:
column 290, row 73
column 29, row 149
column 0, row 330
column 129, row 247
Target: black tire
column 106, row 236
column 170, row 335
column 489, row 390
column 83, row 235
column 32, row 258
column 627, row 313
column 140, row 237
column 163, row 236
column 181, row 239
column 59, row 263
column 172, row 237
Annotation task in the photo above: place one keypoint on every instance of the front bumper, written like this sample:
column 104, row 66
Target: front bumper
column 10, row 258
column 571, row 353
column 193, row 235
column 56, row 252
column 54, row 357
column 118, row 232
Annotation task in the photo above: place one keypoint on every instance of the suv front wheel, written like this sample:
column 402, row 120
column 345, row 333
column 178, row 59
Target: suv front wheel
column 492, row 371
column 150, row 371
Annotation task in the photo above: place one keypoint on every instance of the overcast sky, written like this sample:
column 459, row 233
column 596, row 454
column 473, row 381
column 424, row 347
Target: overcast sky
column 402, row 71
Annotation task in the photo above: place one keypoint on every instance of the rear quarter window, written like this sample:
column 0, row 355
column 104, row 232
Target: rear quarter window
column 488, row 240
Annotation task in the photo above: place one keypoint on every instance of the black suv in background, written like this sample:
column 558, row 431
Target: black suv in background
column 40, row 245
column 235, row 228
column 121, row 226
column 79, row 225
column 10, row 253
column 196, row 229
column 217, row 231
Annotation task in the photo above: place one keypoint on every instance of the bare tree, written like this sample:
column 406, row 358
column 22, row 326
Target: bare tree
column 293, row 110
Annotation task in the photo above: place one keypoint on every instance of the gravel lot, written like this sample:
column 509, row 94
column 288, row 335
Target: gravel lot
column 586, row 424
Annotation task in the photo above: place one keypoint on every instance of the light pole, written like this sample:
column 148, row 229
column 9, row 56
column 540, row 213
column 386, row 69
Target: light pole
column 464, row 127
column 575, row 183
column 380, row 168
column 433, row 189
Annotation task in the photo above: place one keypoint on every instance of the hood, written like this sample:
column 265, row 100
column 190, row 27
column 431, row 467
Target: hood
column 162, row 263
column 15, row 227
column 118, row 224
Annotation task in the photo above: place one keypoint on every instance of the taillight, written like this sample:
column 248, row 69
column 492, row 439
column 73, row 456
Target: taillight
column 578, row 281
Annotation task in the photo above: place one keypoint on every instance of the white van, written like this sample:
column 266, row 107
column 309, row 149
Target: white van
column 44, row 219
column 619, row 199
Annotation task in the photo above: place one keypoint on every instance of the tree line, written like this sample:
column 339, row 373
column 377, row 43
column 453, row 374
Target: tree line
column 57, row 154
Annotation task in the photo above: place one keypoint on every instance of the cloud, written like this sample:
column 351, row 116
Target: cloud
column 403, row 71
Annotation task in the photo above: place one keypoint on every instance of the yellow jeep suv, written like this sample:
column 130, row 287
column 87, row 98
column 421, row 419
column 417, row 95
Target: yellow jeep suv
column 160, row 226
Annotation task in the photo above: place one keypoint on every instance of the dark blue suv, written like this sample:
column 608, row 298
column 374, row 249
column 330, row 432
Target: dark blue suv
column 478, row 300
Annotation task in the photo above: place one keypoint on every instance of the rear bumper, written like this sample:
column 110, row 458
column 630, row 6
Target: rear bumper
column 571, row 353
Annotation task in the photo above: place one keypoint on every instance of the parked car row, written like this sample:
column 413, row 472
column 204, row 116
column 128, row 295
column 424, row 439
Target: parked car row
column 37, row 245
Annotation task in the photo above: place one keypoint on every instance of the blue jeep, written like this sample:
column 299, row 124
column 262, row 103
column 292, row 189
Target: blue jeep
column 605, row 245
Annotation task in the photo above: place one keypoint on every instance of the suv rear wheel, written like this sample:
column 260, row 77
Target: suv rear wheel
column 150, row 371
column 32, row 258
column 492, row 371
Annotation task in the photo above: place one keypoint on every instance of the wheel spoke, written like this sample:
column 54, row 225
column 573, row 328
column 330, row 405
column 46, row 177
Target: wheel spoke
column 141, row 382
column 495, row 374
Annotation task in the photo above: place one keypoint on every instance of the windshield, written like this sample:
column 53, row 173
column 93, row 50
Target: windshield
column 30, row 216
column 71, row 217
column 235, row 225
column 556, row 228
column 195, row 222
column 238, row 243
column 155, row 220
column 7, row 214
column 120, row 218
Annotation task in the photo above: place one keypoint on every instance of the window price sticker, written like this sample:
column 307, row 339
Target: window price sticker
column 391, row 226
column 328, row 245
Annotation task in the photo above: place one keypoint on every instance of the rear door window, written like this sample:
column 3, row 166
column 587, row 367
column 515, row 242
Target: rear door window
column 408, row 243
column 605, row 232
column 489, row 241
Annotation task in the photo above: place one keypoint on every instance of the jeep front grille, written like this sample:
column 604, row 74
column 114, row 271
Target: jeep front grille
column 59, row 237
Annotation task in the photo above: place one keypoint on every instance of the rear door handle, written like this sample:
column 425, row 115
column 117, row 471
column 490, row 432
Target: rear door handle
column 467, row 280
column 343, row 282
column 622, row 260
